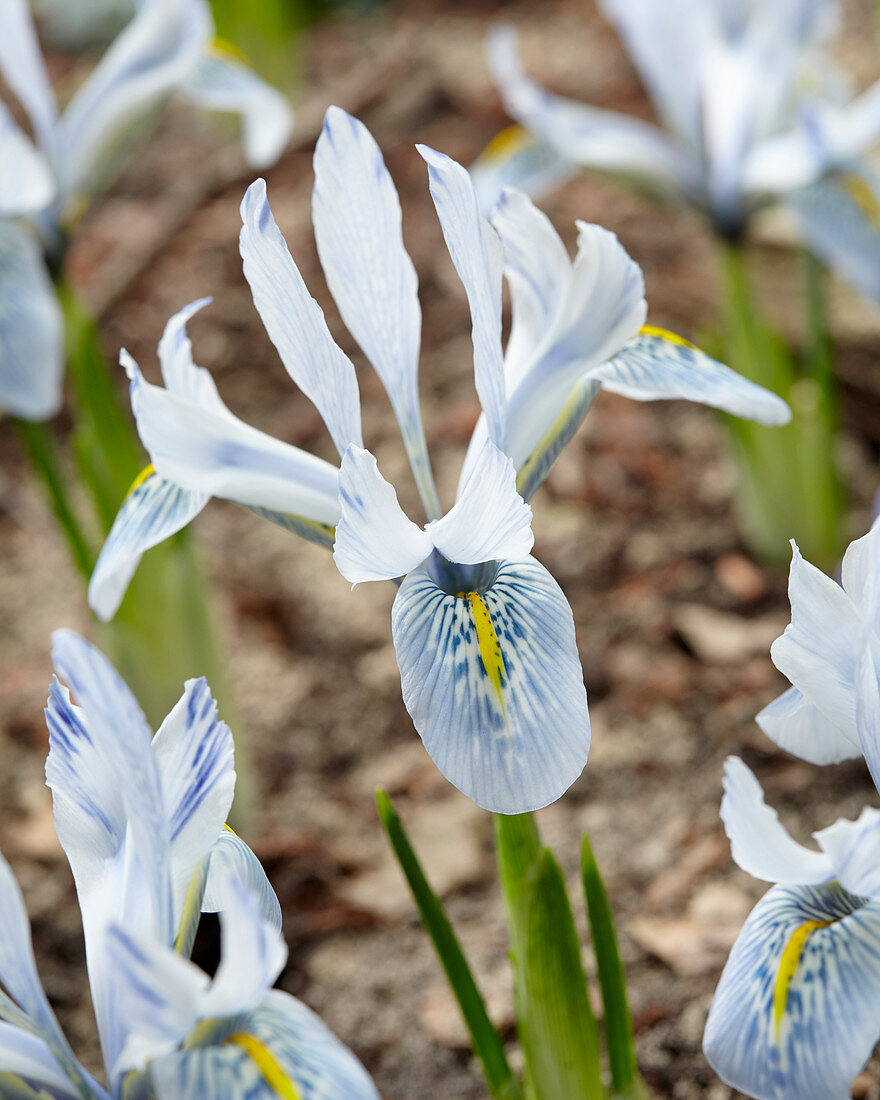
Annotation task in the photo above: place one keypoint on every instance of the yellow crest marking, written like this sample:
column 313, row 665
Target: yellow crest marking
column 228, row 51
column 511, row 140
column 863, row 196
column 665, row 334
column 788, row 965
column 146, row 473
column 268, row 1065
column 487, row 639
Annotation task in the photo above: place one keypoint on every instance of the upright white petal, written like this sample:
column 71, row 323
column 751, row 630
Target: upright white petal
column 374, row 539
column 23, row 68
column 799, row 727
column 26, row 183
column 295, row 322
column 221, row 83
column 490, row 519
column 853, row 848
column 477, row 254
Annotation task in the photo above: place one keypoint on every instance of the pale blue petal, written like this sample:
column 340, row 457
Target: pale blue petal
column 179, row 371
column 30, row 1058
column 759, row 842
column 831, row 1016
column 588, row 136
column 232, row 858
column 868, row 705
column 854, row 850
column 295, row 322
column 860, row 570
column 817, row 650
column 374, row 539
column 515, row 158
column 31, row 330
column 153, row 511
column 512, row 733
column 194, row 752
column 477, row 254
column 222, row 84
column 23, row 68
column 490, row 519
column 356, row 213
column 26, row 183
column 799, row 727
column 153, row 55
column 653, row 367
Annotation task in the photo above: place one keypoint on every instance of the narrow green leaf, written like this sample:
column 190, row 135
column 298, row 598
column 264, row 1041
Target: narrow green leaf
column 618, row 1022
column 486, row 1042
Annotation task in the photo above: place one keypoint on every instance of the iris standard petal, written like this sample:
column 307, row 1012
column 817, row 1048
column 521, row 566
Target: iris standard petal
column 220, row 83
column 31, row 329
column 860, row 569
column 194, row 753
column 23, row 68
column 759, row 842
column 854, row 850
column 179, row 371
column 357, row 219
column 478, row 258
column 295, row 322
column 490, row 519
column 515, row 158
column 797, row 1011
column 154, row 510
column 232, row 858
column 156, row 52
column 374, row 539
column 799, row 727
column 494, row 686
column 26, row 183
column 817, row 650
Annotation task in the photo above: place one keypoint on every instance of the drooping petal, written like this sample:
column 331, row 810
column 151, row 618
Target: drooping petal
column 799, row 727
column 374, row 539
column 221, row 83
column 205, row 449
column 23, row 68
column 25, row 179
column 155, row 53
column 477, row 255
column 588, row 136
column 356, row 213
column 295, row 322
column 515, row 158
column 193, row 750
column 31, row 335
column 154, row 510
column 759, row 842
column 490, row 519
column 494, row 686
column 797, row 1011
column 817, row 650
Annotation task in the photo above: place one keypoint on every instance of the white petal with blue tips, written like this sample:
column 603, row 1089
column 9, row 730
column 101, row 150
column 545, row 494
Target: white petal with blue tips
column 494, row 685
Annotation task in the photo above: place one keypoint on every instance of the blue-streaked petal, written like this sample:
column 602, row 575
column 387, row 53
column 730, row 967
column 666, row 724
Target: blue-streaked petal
column 797, row 1011
column 799, row 727
column 490, row 519
column 23, row 68
column 153, row 55
column 374, row 539
column 655, row 366
column 601, row 139
column 295, row 1039
column 220, row 83
column 357, row 219
column 515, row 158
column 759, row 842
column 31, row 329
column 295, row 322
column 206, row 449
column 817, row 650
column 477, row 254
column 154, row 510
column 30, row 1059
column 232, row 858
column 25, row 178
column 494, row 685
column 193, row 750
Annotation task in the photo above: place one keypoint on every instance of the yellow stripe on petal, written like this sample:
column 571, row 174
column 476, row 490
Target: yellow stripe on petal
column 863, row 196
column 490, row 650
column 665, row 334
column 268, row 1065
column 788, row 965
column 511, row 140
column 227, row 51
column 146, row 473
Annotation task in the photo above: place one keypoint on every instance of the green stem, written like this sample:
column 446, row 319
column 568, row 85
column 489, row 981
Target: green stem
column 43, row 455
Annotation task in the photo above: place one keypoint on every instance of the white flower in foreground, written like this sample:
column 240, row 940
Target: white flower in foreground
column 484, row 636
column 141, row 819
column 751, row 109
column 797, row 1011
column 46, row 180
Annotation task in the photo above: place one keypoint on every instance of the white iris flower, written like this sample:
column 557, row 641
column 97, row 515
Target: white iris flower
column 484, row 637
column 141, row 819
column 46, row 180
column 797, row 1011
column 752, row 111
